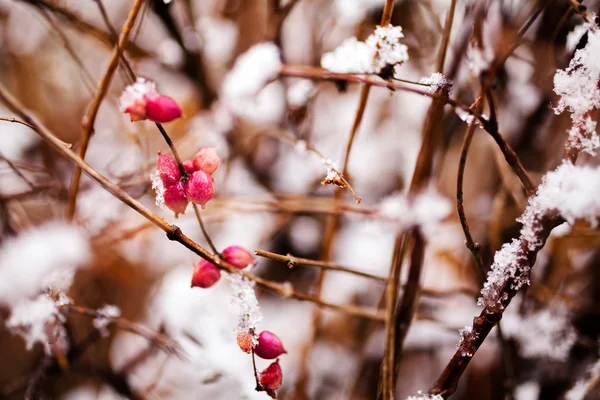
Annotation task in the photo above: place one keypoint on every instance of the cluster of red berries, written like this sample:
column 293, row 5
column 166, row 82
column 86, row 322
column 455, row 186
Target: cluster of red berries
column 194, row 183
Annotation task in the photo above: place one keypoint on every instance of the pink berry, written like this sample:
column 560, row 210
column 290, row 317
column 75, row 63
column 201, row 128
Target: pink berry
column 245, row 342
column 162, row 109
column 168, row 169
column 238, row 257
column 270, row 379
column 269, row 346
column 199, row 188
column 188, row 166
column 175, row 199
column 205, row 274
column 142, row 101
column 207, row 160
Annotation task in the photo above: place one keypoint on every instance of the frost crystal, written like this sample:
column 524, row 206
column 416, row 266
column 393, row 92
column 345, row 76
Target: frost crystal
column 435, row 82
column 159, row 188
column 509, row 262
column 571, row 190
column 245, row 304
column 579, row 89
column 381, row 49
column 546, row 334
column 33, row 320
column 466, row 334
column 424, row 396
column 389, row 51
column 104, row 317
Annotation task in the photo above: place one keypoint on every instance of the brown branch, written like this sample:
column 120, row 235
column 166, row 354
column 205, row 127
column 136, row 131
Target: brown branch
column 391, row 298
column 293, row 261
column 115, row 39
column 16, row 121
column 446, row 36
column 90, row 118
column 482, row 325
column 469, row 242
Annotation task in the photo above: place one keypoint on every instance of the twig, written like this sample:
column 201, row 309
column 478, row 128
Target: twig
column 470, row 243
column 487, row 319
column 16, row 121
column 259, row 387
column 293, row 261
column 342, row 183
column 90, row 118
column 446, row 36
column 203, row 228
column 391, row 297
column 115, row 38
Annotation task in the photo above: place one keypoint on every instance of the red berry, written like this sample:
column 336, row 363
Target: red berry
column 270, row 379
column 188, row 166
column 207, row 160
column 199, row 188
column 168, row 170
column 269, row 346
column 175, row 199
column 238, row 256
column 205, row 274
column 162, row 109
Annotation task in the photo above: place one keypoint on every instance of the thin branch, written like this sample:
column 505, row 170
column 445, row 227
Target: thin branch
column 203, row 228
column 446, row 36
column 293, row 261
column 90, row 118
column 16, row 121
column 115, row 38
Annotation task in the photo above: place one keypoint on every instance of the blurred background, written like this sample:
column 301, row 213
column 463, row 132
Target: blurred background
column 268, row 196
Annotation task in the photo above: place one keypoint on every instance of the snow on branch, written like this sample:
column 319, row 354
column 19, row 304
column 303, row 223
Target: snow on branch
column 579, row 89
column 381, row 49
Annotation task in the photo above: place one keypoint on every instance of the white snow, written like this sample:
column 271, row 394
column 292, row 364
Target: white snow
column 381, row 49
column 577, row 87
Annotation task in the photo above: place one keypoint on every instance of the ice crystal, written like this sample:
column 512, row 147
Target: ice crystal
column 509, row 263
column 435, row 82
column 381, row 49
column 159, row 188
column 579, row 89
column 571, row 191
column 245, row 304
